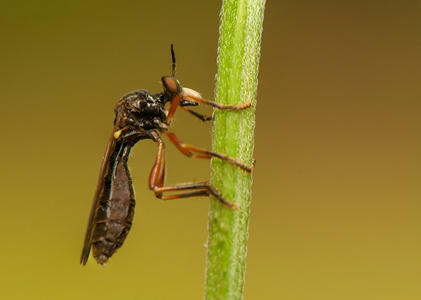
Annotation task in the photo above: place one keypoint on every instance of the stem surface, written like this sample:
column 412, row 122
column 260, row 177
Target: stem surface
column 238, row 62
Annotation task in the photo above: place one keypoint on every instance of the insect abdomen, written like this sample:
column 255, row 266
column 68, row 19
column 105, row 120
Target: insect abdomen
column 115, row 212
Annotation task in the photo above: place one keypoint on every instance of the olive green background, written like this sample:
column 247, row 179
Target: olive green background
column 336, row 210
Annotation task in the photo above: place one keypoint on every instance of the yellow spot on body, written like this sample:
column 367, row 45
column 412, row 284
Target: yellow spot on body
column 117, row 134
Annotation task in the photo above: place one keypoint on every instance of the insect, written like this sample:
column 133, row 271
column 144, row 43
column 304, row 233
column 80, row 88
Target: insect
column 141, row 115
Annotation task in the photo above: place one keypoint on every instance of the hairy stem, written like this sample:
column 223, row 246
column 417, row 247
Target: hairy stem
column 238, row 62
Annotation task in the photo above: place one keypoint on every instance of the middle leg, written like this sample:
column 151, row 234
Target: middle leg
column 157, row 180
column 189, row 150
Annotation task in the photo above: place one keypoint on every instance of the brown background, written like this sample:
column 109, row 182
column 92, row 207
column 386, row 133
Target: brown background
column 336, row 210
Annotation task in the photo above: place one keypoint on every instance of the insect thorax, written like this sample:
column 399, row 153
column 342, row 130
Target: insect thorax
column 140, row 109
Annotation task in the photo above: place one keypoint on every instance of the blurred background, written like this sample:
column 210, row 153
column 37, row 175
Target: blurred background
column 336, row 210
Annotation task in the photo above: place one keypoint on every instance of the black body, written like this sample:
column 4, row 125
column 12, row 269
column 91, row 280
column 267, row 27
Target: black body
column 140, row 115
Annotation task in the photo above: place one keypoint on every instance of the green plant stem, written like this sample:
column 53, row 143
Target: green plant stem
column 238, row 62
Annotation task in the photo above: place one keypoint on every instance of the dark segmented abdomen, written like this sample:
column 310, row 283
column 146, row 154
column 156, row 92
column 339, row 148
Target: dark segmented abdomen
column 115, row 213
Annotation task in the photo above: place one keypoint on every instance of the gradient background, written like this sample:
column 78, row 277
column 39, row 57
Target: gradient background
column 336, row 210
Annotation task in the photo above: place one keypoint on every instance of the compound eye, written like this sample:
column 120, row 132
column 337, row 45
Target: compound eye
column 171, row 85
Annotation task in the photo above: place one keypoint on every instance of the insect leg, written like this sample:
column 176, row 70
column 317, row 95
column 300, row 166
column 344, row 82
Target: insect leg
column 223, row 106
column 202, row 188
column 195, row 96
column 175, row 102
column 157, row 175
column 197, row 115
column 157, row 179
column 189, row 150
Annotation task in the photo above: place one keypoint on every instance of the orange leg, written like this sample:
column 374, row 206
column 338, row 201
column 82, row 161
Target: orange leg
column 174, row 104
column 188, row 151
column 157, row 179
column 157, row 175
column 193, row 95
column 222, row 106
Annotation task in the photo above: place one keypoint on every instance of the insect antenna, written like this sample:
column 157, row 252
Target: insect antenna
column 173, row 60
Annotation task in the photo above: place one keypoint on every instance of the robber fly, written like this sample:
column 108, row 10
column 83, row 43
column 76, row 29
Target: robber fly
column 140, row 115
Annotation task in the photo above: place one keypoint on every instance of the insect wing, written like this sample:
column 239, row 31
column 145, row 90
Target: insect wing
column 100, row 186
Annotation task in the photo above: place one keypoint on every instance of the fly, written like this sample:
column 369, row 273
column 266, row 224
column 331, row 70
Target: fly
column 141, row 115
